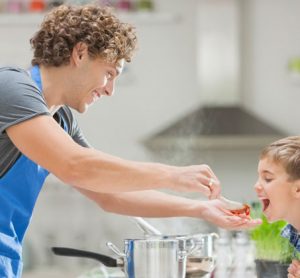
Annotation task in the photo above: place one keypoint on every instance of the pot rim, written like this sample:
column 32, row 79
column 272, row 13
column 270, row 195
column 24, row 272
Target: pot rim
column 176, row 237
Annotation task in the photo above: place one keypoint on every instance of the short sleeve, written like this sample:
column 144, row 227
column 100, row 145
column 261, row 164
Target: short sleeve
column 20, row 98
column 65, row 116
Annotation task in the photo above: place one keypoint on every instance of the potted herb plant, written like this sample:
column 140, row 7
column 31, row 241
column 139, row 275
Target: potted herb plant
column 273, row 252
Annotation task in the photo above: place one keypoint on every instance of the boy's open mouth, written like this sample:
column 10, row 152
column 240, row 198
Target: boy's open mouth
column 265, row 203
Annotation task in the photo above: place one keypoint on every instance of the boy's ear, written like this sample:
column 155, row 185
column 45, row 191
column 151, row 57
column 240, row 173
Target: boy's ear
column 296, row 189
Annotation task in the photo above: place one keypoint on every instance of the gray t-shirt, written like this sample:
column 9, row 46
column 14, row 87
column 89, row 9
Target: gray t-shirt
column 20, row 100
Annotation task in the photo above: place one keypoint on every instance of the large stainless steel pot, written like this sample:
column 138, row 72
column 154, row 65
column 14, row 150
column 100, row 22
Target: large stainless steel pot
column 154, row 257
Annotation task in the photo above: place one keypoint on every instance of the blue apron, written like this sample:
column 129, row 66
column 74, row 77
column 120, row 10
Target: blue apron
column 19, row 189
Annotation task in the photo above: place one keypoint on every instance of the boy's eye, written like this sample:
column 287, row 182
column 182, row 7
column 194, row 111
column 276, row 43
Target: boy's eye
column 267, row 179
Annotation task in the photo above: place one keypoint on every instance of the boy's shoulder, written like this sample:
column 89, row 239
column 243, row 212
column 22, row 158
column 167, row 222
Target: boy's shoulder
column 292, row 234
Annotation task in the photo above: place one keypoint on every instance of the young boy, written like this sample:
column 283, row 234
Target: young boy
column 278, row 188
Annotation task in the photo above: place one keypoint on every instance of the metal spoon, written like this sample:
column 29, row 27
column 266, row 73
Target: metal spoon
column 146, row 227
column 231, row 205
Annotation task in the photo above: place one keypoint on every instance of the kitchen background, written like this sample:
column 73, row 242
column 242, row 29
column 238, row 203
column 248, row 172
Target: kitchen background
column 213, row 81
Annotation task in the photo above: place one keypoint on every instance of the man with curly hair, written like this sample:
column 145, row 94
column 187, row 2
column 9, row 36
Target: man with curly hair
column 79, row 51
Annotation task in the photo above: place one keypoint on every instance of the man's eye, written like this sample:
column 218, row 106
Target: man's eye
column 267, row 179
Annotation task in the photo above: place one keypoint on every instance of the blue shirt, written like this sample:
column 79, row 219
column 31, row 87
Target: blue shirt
column 292, row 235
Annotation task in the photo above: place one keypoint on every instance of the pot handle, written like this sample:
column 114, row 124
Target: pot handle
column 63, row 251
column 115, row 249
column 182, row 254
column 196, row 247
column 199, row 245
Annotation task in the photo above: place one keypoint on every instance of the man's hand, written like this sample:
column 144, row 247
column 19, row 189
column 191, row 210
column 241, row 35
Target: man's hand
column 294, row 269
column 197, row 178
column 215, row 212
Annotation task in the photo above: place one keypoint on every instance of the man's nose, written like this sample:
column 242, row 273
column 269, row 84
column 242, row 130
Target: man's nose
column 109, row 89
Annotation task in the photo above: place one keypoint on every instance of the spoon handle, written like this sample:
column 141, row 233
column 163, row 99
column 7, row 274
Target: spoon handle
column 231, row 204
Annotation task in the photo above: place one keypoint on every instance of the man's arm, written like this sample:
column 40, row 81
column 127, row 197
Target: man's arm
column 149, row 203
column 156, row 204
column 45, row 142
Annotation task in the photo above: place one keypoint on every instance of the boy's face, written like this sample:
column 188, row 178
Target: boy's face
column 274, row 190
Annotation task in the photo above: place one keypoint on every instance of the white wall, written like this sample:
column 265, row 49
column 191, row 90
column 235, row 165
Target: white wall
column 270, row 38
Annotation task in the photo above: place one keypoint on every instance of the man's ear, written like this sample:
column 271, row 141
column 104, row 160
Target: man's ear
column 296, row 189
column 79, row 52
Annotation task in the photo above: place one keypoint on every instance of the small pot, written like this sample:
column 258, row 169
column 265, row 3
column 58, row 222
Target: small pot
column 199, row 267
column 202, row 260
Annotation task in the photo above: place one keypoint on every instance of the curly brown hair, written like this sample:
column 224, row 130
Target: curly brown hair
column 63, row 27
column 286, row 152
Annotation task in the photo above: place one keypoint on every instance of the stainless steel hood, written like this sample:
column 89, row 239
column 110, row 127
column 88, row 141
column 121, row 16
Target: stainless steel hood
column 215, row 127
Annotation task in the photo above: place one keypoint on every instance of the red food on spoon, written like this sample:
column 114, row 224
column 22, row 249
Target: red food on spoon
column 245, row 210
column 236, row 208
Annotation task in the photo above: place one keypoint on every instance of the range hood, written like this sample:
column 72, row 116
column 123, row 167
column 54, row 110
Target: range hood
column 215, row 127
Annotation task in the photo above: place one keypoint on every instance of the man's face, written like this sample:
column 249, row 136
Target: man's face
column 96, row 78
column 274, row 190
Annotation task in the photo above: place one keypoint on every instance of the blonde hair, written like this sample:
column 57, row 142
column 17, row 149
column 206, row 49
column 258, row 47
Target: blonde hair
column 285, row 151
column 65, row 26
